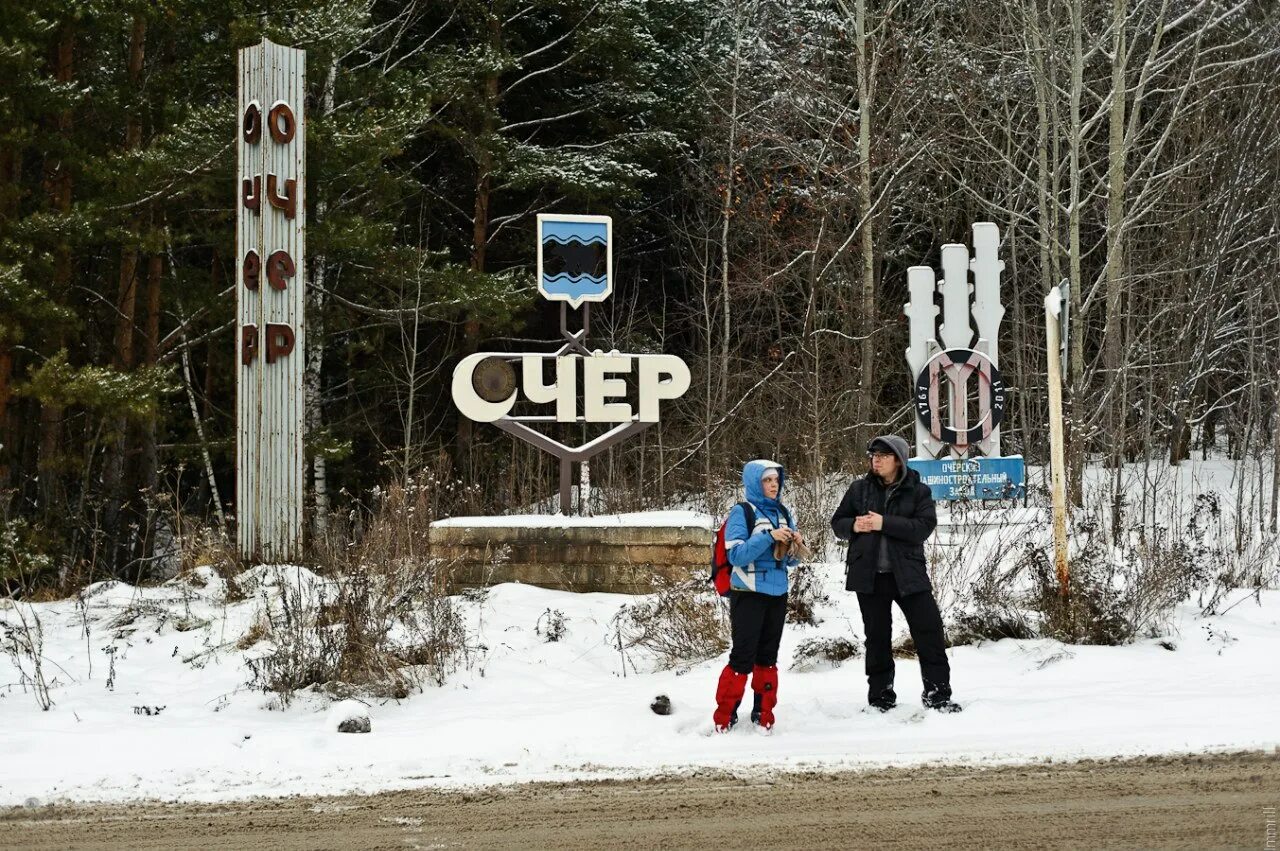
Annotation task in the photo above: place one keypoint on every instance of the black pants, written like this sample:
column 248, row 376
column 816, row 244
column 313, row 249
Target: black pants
column 925, row 623
column 756, row 621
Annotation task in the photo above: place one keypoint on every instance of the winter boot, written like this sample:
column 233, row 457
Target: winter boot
column 764, row 682
column 729, row 693
column 939, row 698
column 755, row 707
column 883, row 700
column 755, row 713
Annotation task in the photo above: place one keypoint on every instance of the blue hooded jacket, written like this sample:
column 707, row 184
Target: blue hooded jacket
column 751, row 550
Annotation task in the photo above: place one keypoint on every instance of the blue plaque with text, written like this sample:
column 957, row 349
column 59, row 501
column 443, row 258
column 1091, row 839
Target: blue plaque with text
column 972, row 478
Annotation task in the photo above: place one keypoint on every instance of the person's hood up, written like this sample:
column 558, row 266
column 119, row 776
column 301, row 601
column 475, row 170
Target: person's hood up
column 753, row 472
column 893, row 443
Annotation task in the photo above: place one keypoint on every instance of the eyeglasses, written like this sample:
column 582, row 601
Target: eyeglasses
column 879, row 456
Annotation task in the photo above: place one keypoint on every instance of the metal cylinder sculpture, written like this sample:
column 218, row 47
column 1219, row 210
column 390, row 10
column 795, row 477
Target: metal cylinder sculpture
column 957, row 457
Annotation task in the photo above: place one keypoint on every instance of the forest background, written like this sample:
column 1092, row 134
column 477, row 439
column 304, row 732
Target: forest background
column 772, row 169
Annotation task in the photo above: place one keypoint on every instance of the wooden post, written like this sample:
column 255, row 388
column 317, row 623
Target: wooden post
column 1057, row 460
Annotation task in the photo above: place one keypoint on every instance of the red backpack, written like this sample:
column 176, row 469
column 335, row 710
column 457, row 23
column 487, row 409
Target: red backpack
column 720, row 567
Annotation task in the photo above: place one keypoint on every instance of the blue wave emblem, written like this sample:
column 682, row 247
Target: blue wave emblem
column 574, row 287
column 573, row 259
column 588, row 233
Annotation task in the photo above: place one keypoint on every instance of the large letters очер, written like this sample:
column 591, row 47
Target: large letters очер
column 658, row 377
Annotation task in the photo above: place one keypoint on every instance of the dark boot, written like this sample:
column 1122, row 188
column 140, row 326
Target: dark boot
column 755, row 712
column 939, row 697
column 755, row 708
column 729, row 693
column 884, row 700
column 764, row 682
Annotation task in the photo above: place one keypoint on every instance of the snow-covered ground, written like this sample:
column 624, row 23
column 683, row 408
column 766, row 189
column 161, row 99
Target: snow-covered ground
column 150, row 693
column 167, row 714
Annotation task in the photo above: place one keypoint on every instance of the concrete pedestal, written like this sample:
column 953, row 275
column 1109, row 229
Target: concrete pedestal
column 618, row 554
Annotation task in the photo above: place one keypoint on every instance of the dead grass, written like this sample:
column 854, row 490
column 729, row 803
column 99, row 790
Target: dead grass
column 383, row 625
column 832, row 650
column 259, row 630
column 683, row 621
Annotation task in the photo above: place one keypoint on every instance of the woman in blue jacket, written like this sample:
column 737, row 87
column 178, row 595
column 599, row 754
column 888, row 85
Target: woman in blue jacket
column 757, row 595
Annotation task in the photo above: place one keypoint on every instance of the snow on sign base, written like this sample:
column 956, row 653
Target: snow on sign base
column 575, row 258
column 639, row 519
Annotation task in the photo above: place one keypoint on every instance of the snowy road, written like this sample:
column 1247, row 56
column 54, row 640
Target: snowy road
column 1194, row 802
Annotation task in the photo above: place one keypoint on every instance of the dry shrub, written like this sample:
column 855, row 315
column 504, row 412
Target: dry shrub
column 990, row 623
column 1250, row 564
column 551, row 625
column 1092, row 613
column 22, row 640
column 1119, row 592
column 200, row 544
column 971, row 571
column 683, row 621
column 815, row 652
column 383, row 625
column 1124, row 583
column 374, row 633
column 805, row 596
column 994, row 607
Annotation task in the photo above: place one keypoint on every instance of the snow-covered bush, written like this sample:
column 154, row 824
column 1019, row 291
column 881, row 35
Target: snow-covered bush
column 682, row 622
column 805, row 596
column 382, row 624
column 831, row 650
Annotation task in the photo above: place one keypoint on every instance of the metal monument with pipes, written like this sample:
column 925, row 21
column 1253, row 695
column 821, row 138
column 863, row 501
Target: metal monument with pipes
column 959, row 395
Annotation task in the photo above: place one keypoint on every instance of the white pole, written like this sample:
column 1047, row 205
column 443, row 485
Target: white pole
column 1057, row 461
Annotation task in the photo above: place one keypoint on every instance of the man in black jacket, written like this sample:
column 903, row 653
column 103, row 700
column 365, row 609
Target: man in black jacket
column 886, row 517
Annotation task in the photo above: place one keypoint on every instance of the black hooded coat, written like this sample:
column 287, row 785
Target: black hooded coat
column 909, row 519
